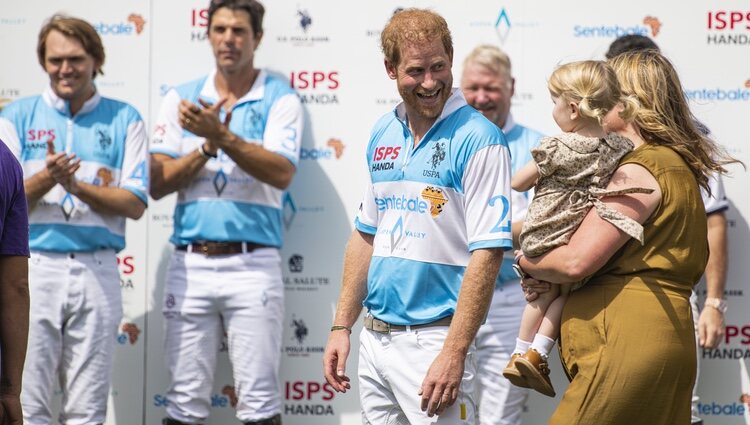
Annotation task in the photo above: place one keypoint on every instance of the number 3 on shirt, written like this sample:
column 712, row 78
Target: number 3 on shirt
column 499, row 227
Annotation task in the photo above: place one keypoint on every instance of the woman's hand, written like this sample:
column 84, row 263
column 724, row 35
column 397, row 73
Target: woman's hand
column 532, row 288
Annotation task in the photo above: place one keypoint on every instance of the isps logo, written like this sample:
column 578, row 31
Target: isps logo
column 37, row 138
column 133, row 25
column 311, row 398
column 198, row 24
column 383, row 158
column 316, row 87
column 728, row 27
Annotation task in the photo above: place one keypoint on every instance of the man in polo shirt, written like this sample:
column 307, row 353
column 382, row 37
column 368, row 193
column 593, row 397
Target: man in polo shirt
column 228, row 144
column 429, row 238
column 488, row 85
column 84, row 161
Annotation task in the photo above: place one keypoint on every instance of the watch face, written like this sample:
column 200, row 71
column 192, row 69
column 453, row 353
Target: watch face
column 519, row 271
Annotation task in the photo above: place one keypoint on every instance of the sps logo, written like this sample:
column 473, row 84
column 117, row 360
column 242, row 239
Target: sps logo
column 308, row 398
column 728, row 27
column 316, row 87
column 383, row 158
column 38, row 138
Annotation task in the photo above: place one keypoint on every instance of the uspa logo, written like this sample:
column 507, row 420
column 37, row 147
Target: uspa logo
column 728, row 27
column 299, row 348
column 306, row 31
column 133, row 25
column 649, row 26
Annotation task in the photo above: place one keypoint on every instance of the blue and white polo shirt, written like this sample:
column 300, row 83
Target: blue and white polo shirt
column 109, row 138
column 429, row 206
column 223, row 203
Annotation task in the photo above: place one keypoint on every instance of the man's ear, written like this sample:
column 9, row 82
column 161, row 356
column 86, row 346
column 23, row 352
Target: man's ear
column 258, row 37
column 390, row 69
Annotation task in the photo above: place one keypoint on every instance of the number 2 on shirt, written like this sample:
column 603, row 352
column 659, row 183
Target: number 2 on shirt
column 498, row 227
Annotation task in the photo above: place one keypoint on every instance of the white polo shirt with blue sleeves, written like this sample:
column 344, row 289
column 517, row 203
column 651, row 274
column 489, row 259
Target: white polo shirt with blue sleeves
column 109, row 138
column 224, row 203
column 429, row 206
column 521, row 140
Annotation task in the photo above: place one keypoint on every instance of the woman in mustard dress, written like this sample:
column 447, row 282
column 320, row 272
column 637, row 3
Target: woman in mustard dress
column 627, row 339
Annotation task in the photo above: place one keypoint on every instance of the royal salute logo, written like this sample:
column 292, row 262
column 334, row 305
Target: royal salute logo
column 436, row 198
column 296, row 263
column 7, row 95
column 728, row 27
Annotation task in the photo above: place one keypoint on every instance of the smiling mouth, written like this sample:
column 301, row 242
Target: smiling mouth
column 429, row 96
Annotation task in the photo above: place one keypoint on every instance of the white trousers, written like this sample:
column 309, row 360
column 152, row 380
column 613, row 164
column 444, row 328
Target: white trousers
column 500, row 402
column 76, row 308
column 242, row 295
column 392, row 368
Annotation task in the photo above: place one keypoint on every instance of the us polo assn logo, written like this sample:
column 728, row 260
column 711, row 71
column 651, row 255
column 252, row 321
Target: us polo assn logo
column 300, row 330
column 304, row 19
column 437, row 157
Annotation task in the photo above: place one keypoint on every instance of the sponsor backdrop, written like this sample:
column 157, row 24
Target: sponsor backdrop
column 337, row 69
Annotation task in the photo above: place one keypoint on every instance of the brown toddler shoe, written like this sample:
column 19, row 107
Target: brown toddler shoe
column 512, row 374
column 534, row 369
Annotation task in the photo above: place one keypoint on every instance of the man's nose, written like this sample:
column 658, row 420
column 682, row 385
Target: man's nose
column 66, row 66
column 429, row 82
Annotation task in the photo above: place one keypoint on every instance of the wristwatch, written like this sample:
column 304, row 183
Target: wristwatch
column 517, row 268
column 717, row 303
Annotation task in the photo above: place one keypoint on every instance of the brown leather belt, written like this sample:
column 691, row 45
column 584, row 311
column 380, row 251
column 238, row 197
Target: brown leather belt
column 211, row 249
column 377, row 325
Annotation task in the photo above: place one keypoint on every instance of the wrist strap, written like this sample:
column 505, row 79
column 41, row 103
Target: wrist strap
column 340, row 328
column 204, row 153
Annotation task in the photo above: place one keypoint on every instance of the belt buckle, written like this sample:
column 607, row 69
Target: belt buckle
column 377, row 325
